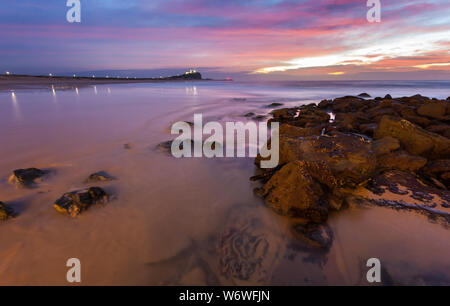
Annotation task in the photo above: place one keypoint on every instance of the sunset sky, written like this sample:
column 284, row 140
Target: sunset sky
column 245, row 39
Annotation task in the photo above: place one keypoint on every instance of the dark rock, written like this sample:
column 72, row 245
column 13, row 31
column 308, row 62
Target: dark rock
column 299, row 190
column 401, row 160
column 414, row 139
column 75, row 202
column 434, row 109
column 388, row 97
column 27, row 177
column 368, row 129
column 410, row 115
column 409, row 193
column 385, row 145
column 259, row 117
column 440, row 128
column 325, row 104
column 6, row 212
column 100, row 176
column 249, row 114
column 316, row 235
column 275, row 104
column 295, row 131
column 283, row 114
column 364, row 95
column 128, row 146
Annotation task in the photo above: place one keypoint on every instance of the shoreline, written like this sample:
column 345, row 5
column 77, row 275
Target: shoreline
column 17, row 82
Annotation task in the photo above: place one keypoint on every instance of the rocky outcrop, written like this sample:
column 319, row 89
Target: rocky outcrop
column 6, row 212
column 349, row 157
column 75, row 202
column 400, row 160
column 414, row 139
column 27, row 177
column 299, row 190
column 393, row 144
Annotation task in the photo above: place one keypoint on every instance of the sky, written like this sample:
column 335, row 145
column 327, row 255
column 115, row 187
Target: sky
column 245, row 39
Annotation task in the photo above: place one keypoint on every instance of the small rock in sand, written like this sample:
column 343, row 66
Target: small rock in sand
column 317, row 235
column 75, row 202
column 6, row 212
column 27, row 177
column 100, row 176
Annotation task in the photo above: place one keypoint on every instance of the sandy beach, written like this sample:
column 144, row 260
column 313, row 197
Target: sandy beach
column 181, row 221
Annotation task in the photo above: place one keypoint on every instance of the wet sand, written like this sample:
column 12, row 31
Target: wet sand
column 169, row 219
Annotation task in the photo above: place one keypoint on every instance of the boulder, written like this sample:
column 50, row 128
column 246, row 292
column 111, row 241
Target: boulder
column 439, row 169
column 75, row 202
column 368, row 129
column 316, row 235
column 295, row 131
column 100, row 176
column 440, row 128
column 349, row 157
column 385, row 145
column 324, row 104
column 27, row 177
column 6, row 212
column 311, row 116
column 434, row 109
column 414, row 139
column 364, row 95
column 401, row 160
column 347, row 104
column 283, row 114
column 299, row 189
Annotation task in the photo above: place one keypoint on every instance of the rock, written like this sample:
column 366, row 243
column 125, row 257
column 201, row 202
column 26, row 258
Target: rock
column 316, row 235
column 347, row 104
column 275, row 104
column 414, row 139
column 27, row 177
column 311, row 116
column 439, row 169
column 368, row 129
column 6, row 212
column 283, row 114
column 388, row 97
column 299, row 190
column 259, row 117
column 385, row 145
column 364, row 95
column 349, row 157
column 249, row 114
column 410, row 115
column 128, row 146
column 324, row 104
column 401, row 160
column 441, row 129
column 434, row 109
column 295, row 131
column 75, row 202
column 403, row 190
column 100, row 176
column 437, row 166
column 347, row 121
column 167, row 146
